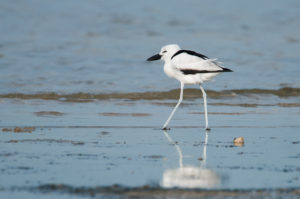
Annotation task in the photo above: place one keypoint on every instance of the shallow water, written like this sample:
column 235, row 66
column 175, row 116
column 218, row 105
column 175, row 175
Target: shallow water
column 108, row 142
column 74, row 73
column 90, row 46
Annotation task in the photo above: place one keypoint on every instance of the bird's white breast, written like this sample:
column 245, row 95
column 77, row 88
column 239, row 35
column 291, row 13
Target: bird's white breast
column 169, row 70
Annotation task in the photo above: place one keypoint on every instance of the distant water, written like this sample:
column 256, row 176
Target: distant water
column 101, row 46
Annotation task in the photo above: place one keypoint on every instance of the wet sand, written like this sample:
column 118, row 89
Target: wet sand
column 172, row 94
column 106, row 148
column 116, row 191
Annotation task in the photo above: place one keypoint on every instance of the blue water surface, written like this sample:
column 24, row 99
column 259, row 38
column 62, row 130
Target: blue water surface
column 101, row 46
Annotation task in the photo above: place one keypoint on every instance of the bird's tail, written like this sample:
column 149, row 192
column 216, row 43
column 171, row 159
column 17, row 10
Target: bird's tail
column 220, row 64
column 226, row 69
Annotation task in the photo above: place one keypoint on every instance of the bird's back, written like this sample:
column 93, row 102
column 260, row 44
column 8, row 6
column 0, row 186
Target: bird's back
column 190, row 67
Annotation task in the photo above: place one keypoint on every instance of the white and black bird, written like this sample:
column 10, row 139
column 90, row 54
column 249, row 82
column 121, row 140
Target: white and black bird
column 188, row 67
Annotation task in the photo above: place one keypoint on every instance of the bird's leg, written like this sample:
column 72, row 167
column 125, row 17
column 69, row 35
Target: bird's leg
column 178, row 103
column 203, row 162
column 205, row 108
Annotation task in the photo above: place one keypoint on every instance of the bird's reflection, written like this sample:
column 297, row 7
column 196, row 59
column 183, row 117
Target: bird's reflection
column 190, row 176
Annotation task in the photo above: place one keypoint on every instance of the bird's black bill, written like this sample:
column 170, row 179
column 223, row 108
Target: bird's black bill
column 154, row 57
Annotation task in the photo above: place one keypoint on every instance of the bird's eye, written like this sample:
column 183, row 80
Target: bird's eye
column 164, row 51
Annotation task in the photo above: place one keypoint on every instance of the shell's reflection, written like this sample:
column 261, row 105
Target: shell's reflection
column 190, row 176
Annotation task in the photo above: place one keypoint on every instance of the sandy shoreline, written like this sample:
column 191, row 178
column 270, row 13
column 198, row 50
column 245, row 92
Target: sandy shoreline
column 167, row 95
column 116, row 191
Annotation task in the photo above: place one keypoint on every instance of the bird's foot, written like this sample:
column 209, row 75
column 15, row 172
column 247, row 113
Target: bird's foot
column 207, row 129
column 166, row 128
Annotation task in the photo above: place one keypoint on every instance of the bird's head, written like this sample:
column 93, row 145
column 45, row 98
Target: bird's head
column 165, row 53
